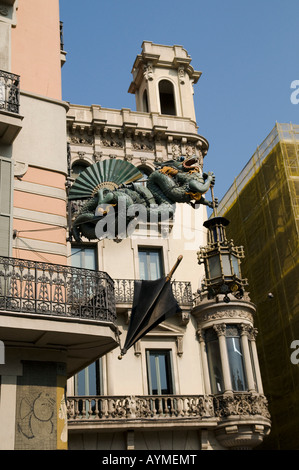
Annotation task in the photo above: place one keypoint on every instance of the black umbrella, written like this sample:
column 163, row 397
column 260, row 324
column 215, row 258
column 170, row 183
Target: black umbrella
column 153, row 302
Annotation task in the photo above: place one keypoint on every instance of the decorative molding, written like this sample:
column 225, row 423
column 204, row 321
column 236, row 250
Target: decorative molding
column 148, row 72
column 20, row 169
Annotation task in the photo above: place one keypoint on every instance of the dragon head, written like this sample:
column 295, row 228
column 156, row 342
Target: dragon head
column 192, row 164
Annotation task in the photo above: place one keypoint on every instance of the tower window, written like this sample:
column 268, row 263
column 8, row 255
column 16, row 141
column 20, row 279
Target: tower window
column 145, row 102
column 166, row 93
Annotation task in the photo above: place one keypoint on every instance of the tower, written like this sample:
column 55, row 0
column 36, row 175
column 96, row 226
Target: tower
column 163, row 81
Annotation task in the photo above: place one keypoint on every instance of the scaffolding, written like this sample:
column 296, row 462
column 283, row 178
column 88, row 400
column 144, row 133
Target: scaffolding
column 263, row 207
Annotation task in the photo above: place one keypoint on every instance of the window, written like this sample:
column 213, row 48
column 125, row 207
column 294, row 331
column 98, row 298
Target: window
column 235, row 357
column 166, row 92
column 77, row 168
column 159, row 372
column 214, row 361
column 84, row 257
column 88, row 382
column 5, row 206
column 150, row 263
column 145, row 102
column 146, row 171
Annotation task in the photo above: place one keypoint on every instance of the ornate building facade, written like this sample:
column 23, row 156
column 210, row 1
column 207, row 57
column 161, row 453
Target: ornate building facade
column 193, row 382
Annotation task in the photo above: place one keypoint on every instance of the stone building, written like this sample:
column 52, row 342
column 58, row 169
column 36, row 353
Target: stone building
column 193, row 382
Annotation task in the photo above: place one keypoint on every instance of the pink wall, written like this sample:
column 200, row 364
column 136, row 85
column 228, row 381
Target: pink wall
column 40, row 204
column 36, row 47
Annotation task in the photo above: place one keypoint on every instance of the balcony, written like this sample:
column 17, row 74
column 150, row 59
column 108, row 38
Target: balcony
column 10, row 120
column 50, row 289
column 57, row 307
column 226, row 415
column 124, row 292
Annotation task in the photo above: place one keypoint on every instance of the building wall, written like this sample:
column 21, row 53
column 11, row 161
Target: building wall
column 264, row 219
column 36, row 47
column 39, row 151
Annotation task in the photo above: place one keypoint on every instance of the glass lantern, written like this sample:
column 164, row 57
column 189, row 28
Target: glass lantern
column 221, row 260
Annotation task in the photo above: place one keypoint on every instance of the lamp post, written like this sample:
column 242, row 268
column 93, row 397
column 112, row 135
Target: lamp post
column 222, row 261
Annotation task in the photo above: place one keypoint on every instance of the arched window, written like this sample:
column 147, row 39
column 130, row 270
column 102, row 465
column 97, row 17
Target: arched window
column 146, row 171
column 167, row 101
column 145, row 102
column 77, row 168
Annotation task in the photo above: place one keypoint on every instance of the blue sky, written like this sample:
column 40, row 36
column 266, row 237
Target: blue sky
column 246, row 50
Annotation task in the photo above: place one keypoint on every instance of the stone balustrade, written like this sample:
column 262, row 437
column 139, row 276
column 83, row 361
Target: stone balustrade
column 162, row 407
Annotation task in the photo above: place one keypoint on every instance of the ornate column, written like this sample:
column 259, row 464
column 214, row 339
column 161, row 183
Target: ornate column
column 220, row 330
column 245, row 330
column 256, row 361
column 205, row 366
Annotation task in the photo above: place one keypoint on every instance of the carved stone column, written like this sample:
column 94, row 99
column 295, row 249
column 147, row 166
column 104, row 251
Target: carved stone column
column 220, row 330
column 256, row 360
column 205, row 365
column 245, row 330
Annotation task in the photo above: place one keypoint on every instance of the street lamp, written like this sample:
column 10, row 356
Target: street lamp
column 221, row 260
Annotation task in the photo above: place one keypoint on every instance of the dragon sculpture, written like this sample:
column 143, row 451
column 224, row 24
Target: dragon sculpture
column 112, row 186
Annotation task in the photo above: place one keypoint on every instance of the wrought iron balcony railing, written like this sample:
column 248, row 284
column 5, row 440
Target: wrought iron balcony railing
column 50, row 289
column 124, row 291
column 9, row 92
column 112, row 408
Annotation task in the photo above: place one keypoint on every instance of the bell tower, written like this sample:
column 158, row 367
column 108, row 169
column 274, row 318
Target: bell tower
column 163, row 81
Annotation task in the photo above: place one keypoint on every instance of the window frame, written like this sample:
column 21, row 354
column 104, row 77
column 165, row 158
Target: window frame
column 169, row 370
column 148, row 250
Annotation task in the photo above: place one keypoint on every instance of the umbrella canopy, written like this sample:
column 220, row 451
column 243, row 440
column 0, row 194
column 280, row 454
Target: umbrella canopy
column 153, row 303
column 108, row 173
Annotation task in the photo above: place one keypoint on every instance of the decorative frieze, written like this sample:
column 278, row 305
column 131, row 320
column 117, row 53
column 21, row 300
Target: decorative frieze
column 243, row 404
column 81, row 139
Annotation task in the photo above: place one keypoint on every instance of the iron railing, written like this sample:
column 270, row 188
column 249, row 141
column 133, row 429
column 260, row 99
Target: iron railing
column 112, row 408
column 9, row 92
column 51, row 289
column 124, row 291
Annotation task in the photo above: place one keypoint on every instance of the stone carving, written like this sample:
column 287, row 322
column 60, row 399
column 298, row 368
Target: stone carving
column 81, row 139
column 148, row 72
column 181, row 74
column 143, row 145
column 112, row 142
column 241, row 405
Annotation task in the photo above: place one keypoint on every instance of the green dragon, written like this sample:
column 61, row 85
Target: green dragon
column 174, row 181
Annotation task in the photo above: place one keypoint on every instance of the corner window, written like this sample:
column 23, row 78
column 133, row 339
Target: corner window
column 150, row 263
column 214, row 361
column 235, row 358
